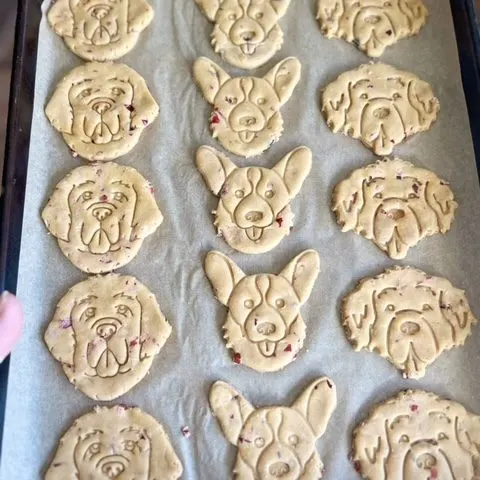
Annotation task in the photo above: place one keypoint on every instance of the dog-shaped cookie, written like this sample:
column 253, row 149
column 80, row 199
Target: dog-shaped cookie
column 254, row 214
column 246, row 32
column 264, row 327
column 101, row 109
column 371, row 25
column 417, row 435
column 105, row 332
column 379, row 105
column 246, row 116
column 275, row 442
column 407, row 317
column 100, row 29
column 394, row 204
column 100, row 215
column 115, row 443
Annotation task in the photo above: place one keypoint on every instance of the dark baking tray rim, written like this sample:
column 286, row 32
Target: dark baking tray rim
column 20, row 120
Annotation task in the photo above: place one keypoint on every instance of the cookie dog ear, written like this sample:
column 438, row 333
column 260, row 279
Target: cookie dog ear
column 284, row 77
column 230, row 408
column 336, row 101
column 468, row 433
column 294, row 168
column 223, row 274
column 140, row 14
column 440, row 199
column 214, row 167
column 317, row 404
column 209, row 77
column 422, row 99
column 280, row 6
column 209, row 7
column 415, row 12
column 60, row 18
column 302, row 272
column 331, row 10
column 58, row 110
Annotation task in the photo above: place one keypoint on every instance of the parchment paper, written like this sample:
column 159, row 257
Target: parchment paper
column 41, row 402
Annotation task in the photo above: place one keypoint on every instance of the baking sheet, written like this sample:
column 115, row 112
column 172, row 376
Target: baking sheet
column 42, row 404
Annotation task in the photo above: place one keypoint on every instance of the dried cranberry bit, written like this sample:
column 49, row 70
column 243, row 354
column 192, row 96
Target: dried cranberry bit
column 413, row 408
column 65, row 323
column 103, row 198
column 246, row 440
column 134, row 342
column 279, row 220
column 215, row 119
column 130, row 108
column 237, row 358
column 186, row 431
column 145, row 122
column 357, row 466
column 415, row 187
column 288, row 348
column 433, row 473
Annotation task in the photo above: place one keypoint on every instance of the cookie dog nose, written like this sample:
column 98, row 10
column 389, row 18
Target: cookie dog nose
column 106, row 330
column 279, row 469
column 395, row 214
column 101, row 107
column 113, row 469
column 266, row 328
column 101, row 213
column 253, row 216
column 248, row 36
column 372, row 19
column 410, row 328
column 426, row 461
column 248, row 121
column 381, row 113
column 100, row 12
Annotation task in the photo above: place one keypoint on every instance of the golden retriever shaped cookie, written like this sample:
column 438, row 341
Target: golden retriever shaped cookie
column 371, row 25
column 275, row 442
column 254, row 214
column 101, row 109
column 105, row 332
column 379, row 105
column 264, row 327
column 246, row 116
column 417, row 435
column 407, row 317
column 100, row 29
column 394, row 204
column 246, row 32
column 100, row 215
column 115, row 443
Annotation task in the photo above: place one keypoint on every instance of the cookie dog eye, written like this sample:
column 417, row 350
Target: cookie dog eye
column 396, row 96
column 293, row 440
column 364, row 96
column 118, row 91
column 85, row 93
column 442, row 436
column 259, row 15
column 86, row 196
column 248, row 303
column 404, row 439
column 89, row 313
column 129, row 445
column 387, row 4
column 378, row 195
column 261, row 101
column 231, row 100
column 269, row 193
column 239, row 193
column 123, row 310
column 259, row 442
column 232, row 16
column 119, row 197
column 94, row 448
column 426, row 307
column 390, row 308
column 280, row 303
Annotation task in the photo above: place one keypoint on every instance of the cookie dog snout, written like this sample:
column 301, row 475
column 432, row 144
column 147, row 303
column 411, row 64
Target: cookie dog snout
column 101, row 213
column 106, row 330
column 426, row 461
column 246, row 30
column 100, row 12
column 101, row 107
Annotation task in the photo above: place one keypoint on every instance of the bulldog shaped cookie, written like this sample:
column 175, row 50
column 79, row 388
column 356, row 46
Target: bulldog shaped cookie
column 394, row 204
column 254, row 214
column 264, row 327
column 246, row 116
column 275, row 442
column 417, row 435
column 371, row 25
column 105, row 332
column 101, row 109
column 97, row 29
column 246, row 32
column 379, row 105
column 100, row 215
column 115, row 443
column 407, row 317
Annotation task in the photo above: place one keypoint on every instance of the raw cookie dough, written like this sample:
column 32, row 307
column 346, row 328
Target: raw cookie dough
column 371, row 25
column 105, row 332
column 115, row 443
column 394, row 204
column 407, row 317
column 275, row 442
column 379, row 105
column 254, row 214
column 100, row 30
column 101, row 109
column 264, row 327
column 100, row 215
column 246, row 116
column 418, row 435
column 246, row 32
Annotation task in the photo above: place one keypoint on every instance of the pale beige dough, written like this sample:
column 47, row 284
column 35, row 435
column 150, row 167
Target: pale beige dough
column 254, row 214
column 246, row 32
column 115, row 443
column 394, row 204
column 106, row 332
column 100, row 29
column 379, row 105
column 101, row 109
column 407, row 317
column 275, row 442
column 263, row 327
column 246, row 116
column 417, row 435
column 371, row 25
column 100, row 214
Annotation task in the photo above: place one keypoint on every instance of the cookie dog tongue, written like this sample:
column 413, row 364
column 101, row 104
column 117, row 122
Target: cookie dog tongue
column 107, row 365
column 100, row 242
column 267, row 348
column 254, row 233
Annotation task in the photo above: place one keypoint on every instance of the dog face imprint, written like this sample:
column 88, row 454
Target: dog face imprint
column 254, row 214
column 264, row 327
column 275, row 442
column 100, row 215
column 417, row 435
column 115, row 442
column 394, row 204
column 101, row 110
column 246, row 32
column 371, row 25
column 106, row 332
column 246, row 116
column 379, row 105
column 100, row 30
column 407, row 317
